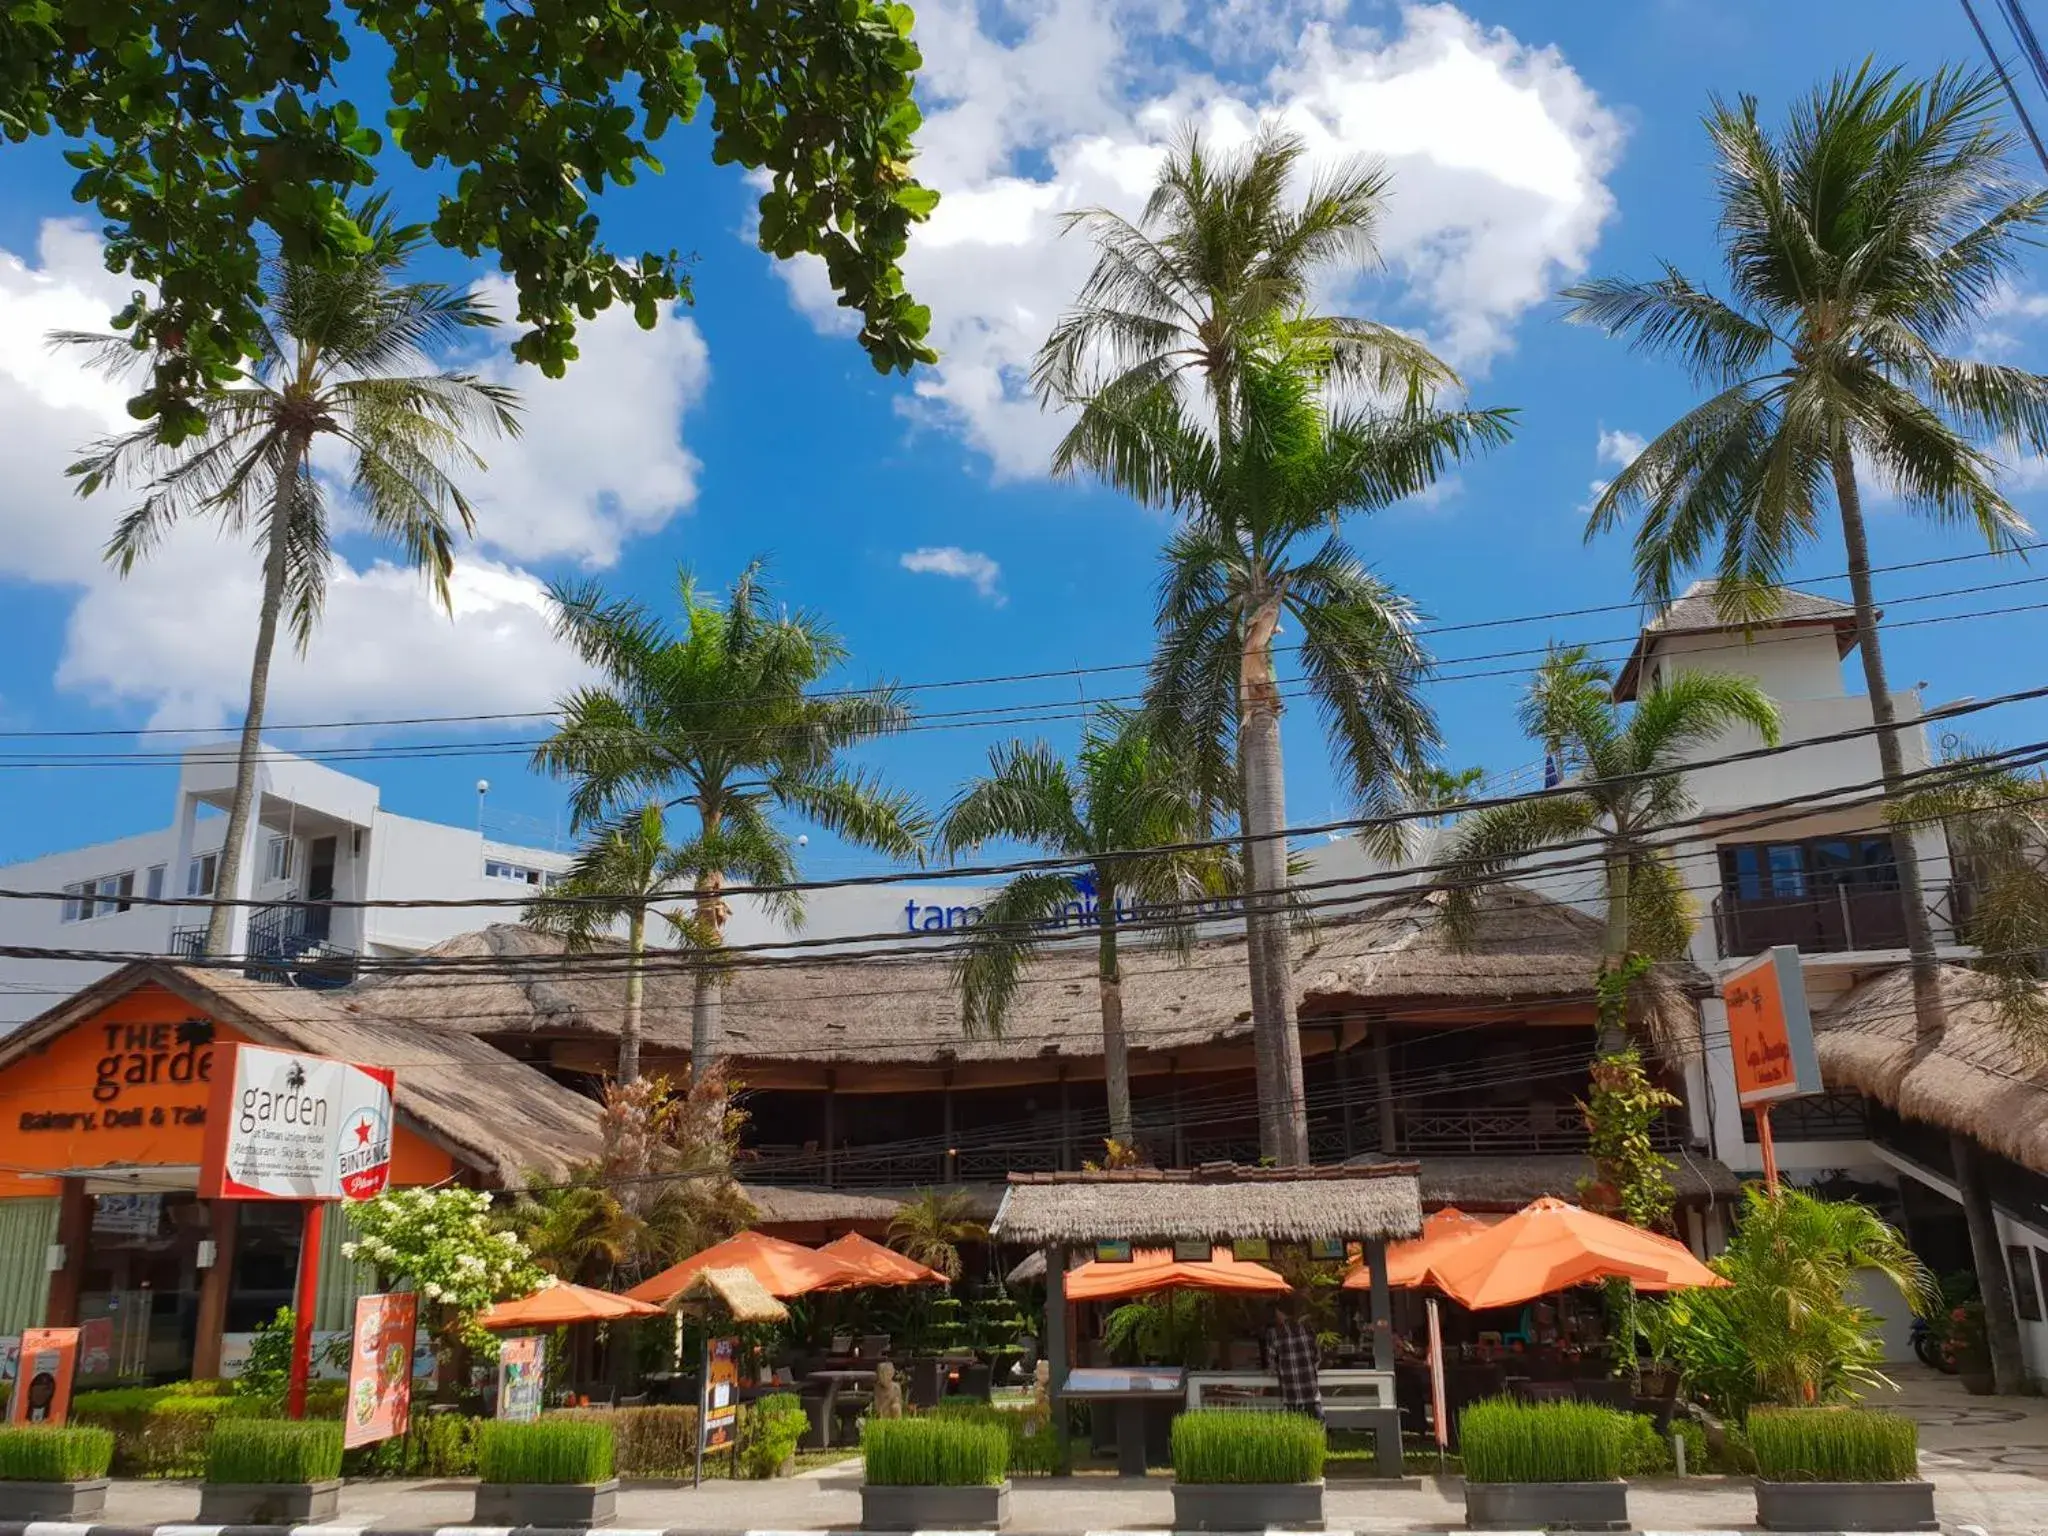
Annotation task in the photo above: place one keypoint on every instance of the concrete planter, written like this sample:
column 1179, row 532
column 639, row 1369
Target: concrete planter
column 85, row 1500
column 558, row 1505
column 1247, row 1506
column 983, row 1508
column 1845, row 1506
column 269, row 1503
column 1546, row 1506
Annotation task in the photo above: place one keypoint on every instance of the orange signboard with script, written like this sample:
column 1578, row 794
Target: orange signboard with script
column 1770, row 1031
column 42, row 1385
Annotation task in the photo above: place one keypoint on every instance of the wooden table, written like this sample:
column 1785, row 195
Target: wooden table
column 1132, row 1391
column 835, row 1382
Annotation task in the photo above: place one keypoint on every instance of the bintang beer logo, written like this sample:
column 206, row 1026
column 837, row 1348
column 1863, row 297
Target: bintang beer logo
column 365, row 1163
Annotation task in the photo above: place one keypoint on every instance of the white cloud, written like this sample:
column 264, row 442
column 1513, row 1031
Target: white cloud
column 1497, row 150
column 1619, row 448
column 969, row 565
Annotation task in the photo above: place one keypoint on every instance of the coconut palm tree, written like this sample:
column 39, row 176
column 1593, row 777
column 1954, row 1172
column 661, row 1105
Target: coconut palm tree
column 1125, row 791
column 576, row 1232
column 932, row 1225
column 622, row 874
column 345, row 357
column 1862, row 245
column 718, row 716
column 1261, row 543
column 1177, row 306
column 1627, row 786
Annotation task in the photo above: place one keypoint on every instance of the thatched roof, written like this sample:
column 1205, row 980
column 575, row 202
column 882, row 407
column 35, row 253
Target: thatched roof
column 781, row 1205
column 496, row 1115
column 507, row 982
column 738, row 1291
column 1216, row 1203
column 1977, row 1080
column 1693, row 613
column 1509, row 1183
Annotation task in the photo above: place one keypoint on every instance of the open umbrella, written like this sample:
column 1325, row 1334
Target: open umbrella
column 1549, row 1245
column 784, row 1269
column 879, row 1265
column 1156, row 1269
column 558, row 1306
column 1410, row 1264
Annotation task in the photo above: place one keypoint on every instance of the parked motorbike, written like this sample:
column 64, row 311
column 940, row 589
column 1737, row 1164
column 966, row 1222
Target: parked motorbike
column 1927, row 1347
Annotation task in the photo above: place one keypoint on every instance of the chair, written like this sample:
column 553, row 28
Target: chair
column 637, row 1400
column 873, row 1346
column 842, row 1344
column 976, row 1381
column 927, row 1381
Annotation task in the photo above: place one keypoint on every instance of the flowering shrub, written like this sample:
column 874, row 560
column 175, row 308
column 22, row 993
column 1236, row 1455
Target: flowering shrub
column 442, row 1240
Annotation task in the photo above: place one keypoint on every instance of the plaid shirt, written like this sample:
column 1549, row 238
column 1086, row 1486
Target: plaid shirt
column 1291, row 1355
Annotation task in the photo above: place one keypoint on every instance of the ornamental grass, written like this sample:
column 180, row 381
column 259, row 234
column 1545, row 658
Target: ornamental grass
column 1506, row 1441
column 934, row 1453
column 1834, row 1445
column 273, row 1451
column 1237, row 1445
column 548, row 1450
column 54, row 1453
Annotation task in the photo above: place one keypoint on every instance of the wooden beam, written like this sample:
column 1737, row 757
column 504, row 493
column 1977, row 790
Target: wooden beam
column 213, row 1290
column 1383, row 1084
column 74, row 1233
column 1056, row 1348
column 1382, row 1305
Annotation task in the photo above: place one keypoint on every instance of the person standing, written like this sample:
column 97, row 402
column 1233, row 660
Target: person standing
column 1292, row 1356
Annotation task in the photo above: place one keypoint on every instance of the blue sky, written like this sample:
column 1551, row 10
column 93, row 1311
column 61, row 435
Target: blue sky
column 1529, row 144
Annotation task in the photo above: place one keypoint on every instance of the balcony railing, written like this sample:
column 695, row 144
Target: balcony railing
column 288, row 944
column 1833, row 920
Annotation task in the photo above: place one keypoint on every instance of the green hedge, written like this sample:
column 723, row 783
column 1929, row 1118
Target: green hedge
column 158, row 1431
column 54, row 1453
column 433, row 1445
column 1034, row 1449
column 1505, row 1441
column 549, row 1450
column 1237, row 1445
column 934, row 1452
column 273, row 1451
column 1834, row 1445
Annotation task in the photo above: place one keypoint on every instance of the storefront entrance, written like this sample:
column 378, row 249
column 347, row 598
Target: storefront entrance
column 138, row 1301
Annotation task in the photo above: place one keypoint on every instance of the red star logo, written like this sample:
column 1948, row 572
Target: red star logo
column 363, row 1133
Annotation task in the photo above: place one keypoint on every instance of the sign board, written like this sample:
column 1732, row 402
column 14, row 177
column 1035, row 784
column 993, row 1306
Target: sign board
column 1770, row 1031
column 1113, row 1253
column 520, row 1364
column 96, row 1347
column 1326, row 1250
column 1192, row 1250
column 287, row 1126
column 721, row 1392
column 42, row 1390
column 379, row 1401
column 1251, row 1250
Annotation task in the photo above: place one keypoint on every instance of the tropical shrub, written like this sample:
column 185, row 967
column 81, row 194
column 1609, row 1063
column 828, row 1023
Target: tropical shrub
column 273, row 1451
column 1235, row 1445
column 445, row 1243
column 769, row 1434
column 1644, row 1452
column 553, row 1449
column 1834, row 1445
column 1506, row 1441
column 1034, row 1448
column 45, row 1453
column 158, row 1431
column 433, row 1445
column 934, row 1452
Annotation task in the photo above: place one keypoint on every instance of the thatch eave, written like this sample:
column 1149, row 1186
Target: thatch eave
column 1164, row 1206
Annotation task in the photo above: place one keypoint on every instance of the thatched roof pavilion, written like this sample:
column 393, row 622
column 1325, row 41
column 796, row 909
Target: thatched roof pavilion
column 1978, row 1080
column 1158, row 1207
column 738, row 1291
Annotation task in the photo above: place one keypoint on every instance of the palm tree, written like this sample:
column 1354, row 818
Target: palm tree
column 717, row 715
column 622, row 874
column 1439, row 790
column 1125, row 791
column 1862, row 245
column 1260, row 544
column 1176, row 310
column 344, row 356
column 575, row 1232
column 932, row 1225
column 1628, row 786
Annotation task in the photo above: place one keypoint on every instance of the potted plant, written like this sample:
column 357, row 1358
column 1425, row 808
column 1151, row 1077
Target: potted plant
column 551, row 1472
column 1968, row 1348
column 1240, row 1470
column 936, row 1473
column 50, row 1472
column 1536, row 1466
column 1846, row 1469
column 271, row 1472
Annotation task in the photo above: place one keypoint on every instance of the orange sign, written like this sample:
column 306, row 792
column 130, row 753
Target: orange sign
column 1770, row 1031
column 42, row 1384
column 380, row 1369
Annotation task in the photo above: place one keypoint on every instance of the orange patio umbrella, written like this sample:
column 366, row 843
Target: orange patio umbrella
column 557, row 1306
column 784, row 1269
column 1156, row 1269
column 1549, row 1245
column 1411, row 1264
column 879, row 1265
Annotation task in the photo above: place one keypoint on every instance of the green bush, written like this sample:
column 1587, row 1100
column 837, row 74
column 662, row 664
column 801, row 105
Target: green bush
column 273, row 1451
column 1644, row 1452
column 1695, row 1437
column 1034, row 1450
column 54, row 1454
column 158, row 1431
column 934, row 1452
column 553, row 1449
column 433, row 1445
column 1834, row 1445
column 658, row 1440
column 1232, row 1445
column 770, row 1428
column 1506, row 1441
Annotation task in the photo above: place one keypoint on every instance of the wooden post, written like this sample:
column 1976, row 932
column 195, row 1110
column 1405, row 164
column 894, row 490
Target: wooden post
column 1066, row 1122
column 1343, row 1071
column 74, row 1234
column 1768, row 1147
column 306, row 1299
column 831, row 1118
column 1383, row 1082
column 951, row 1161
column 1056, row 1348
column 1382, row 1305
column 213, row 1290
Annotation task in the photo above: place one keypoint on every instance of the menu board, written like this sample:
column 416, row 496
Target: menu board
column 380, row 1369
column 520, row 1366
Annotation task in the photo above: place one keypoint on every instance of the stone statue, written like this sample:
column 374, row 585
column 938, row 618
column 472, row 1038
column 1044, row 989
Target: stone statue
column 888, row 1392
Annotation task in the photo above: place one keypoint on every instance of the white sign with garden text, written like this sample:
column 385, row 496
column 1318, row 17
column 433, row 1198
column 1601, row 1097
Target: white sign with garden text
column 287, row 1126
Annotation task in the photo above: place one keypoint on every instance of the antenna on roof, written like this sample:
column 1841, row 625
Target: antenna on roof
column 483, row 787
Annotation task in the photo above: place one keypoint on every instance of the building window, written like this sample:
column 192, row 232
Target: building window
column 98, row 898
column 153, row 887
column 114, row 891
column 277, row 861
column 200, row 873
column 498, row 869
column 77, row 902
column 2026, row 1299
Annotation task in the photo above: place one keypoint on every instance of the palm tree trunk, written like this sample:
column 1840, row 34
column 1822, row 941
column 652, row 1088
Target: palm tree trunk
column 1116, row 1058
column 1283, row 1115
column 1930, row 1013
column 1265, row 1075
column 242, row 804
column 706, row 1001
column 1613, row 1034
column 636, row 985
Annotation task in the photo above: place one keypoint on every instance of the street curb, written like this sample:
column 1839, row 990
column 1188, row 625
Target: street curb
column 338, row 1528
